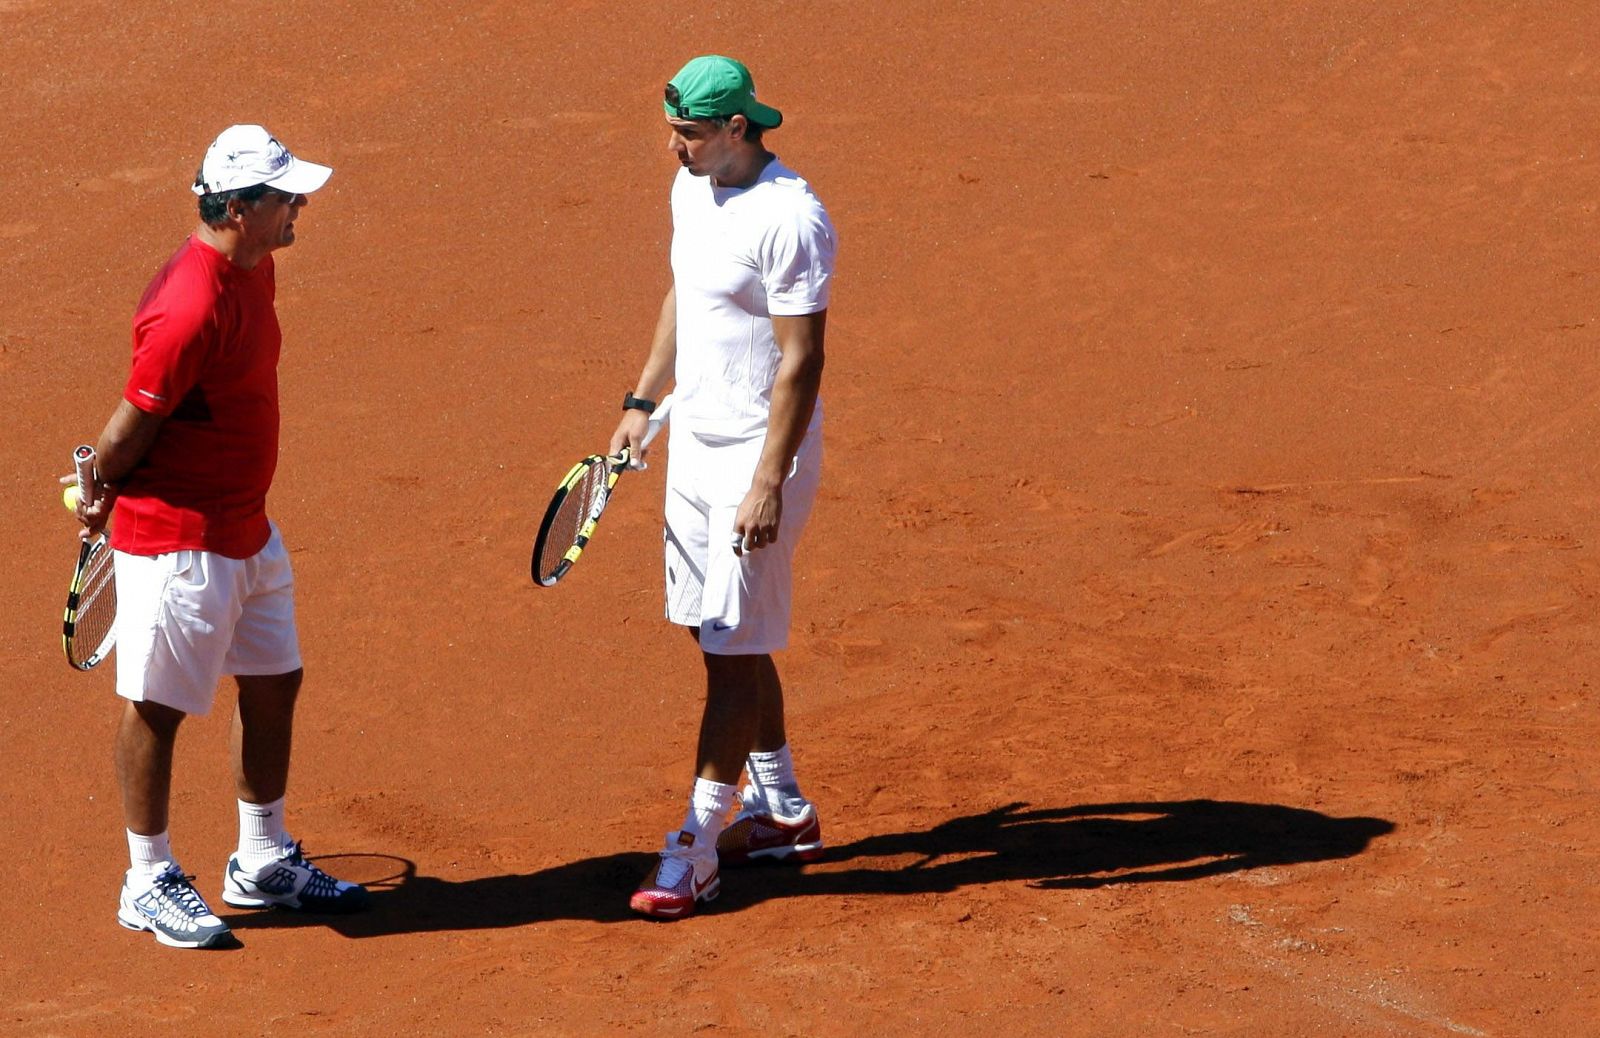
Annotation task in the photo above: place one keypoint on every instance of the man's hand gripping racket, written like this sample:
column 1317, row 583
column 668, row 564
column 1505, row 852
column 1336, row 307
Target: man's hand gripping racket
column 575, row 509
column 88, row 626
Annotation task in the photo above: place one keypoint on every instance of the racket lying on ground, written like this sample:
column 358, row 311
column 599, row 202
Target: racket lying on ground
column 88, row 627
column 575, row 510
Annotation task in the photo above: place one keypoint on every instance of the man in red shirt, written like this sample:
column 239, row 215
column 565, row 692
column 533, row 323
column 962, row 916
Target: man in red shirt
column 204, row 586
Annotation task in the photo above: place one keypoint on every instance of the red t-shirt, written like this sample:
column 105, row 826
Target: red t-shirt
column 205, row 355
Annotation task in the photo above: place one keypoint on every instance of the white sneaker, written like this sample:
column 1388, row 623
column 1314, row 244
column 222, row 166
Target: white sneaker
column 292, row 882
column 168, row 906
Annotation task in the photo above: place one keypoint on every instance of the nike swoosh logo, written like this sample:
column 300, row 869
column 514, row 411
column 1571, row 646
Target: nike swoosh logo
column 153, row 396
column 718, row 625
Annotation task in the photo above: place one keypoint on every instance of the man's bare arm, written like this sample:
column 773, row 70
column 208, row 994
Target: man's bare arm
column 658, row 368
column 794, row 399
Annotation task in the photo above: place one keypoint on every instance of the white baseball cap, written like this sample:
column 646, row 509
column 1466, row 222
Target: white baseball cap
column 246, row 155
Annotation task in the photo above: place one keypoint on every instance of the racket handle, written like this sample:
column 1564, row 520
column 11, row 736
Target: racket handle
column 658, row 418
column 83, row 461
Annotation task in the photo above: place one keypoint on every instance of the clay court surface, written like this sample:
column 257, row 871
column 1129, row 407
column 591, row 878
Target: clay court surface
column 1197, row 631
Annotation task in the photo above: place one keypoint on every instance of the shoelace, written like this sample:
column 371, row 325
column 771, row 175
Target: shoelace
column 178, row 890
column 318, row 883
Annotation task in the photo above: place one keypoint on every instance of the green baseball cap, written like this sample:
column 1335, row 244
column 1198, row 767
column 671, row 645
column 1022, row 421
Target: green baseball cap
column 714, row 87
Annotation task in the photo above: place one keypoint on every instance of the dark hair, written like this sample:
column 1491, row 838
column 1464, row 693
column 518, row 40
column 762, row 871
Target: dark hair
column 752, row 130
column 214, row 207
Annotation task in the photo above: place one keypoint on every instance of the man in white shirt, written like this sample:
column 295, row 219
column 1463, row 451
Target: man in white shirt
column 741, row 335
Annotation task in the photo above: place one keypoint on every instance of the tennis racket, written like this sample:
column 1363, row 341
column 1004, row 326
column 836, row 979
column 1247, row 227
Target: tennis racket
column 88, row 627
column 575, row 509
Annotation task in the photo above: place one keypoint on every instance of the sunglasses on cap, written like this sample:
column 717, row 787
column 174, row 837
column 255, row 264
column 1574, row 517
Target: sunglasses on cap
column 675, row 102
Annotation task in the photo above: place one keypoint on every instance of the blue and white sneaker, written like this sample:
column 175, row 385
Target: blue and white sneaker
column 292, row 882
column 168, row 906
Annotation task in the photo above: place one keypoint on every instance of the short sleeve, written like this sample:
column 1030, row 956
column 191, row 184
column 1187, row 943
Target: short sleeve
column 797, row 262
column 170, row 348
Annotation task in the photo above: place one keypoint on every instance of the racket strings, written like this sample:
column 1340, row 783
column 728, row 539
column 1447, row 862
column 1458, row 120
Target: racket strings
column 97, row 605
column 598, row 485
column 583, row 502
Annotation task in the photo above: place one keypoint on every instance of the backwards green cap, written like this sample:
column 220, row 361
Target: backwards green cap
column 714, row 87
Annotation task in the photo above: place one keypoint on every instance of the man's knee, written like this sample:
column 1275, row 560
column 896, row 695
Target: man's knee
column 270, row 687
column 158, row 719
column 740, row 670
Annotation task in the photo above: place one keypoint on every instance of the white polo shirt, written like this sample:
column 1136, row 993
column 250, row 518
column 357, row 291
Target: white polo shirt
column 741, row 256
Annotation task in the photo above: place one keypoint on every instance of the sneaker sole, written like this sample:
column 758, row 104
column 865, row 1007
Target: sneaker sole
column 789, row 854
column 348, row 907
column 246, row 901
column 139, row 925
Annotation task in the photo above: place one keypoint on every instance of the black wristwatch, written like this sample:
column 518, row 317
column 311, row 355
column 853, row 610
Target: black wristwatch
column 634, row 403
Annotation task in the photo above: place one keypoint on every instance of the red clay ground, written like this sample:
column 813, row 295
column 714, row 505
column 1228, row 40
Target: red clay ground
column 1196, row 631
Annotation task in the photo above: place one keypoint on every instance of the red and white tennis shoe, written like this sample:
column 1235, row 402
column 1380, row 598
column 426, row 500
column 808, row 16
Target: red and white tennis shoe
column 757, row 834
column 683, row 875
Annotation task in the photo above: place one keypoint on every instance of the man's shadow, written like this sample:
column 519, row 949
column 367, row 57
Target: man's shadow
column 1081, row 847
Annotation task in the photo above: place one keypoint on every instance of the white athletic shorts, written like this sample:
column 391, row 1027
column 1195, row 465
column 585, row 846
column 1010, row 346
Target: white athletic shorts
column 186, row 618
column 740, row 604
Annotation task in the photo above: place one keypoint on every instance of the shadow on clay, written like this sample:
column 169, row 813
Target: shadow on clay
column 1095, row 845
column 1064, row 848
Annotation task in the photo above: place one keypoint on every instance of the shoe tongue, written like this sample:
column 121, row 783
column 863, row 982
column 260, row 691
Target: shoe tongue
column 672, row 871
column 677, row 857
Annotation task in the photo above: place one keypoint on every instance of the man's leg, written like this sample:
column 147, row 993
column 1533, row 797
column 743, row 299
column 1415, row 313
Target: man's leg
column 775, row 821
column 770, row 733
column 729, row 721
column 263, row 730
column 743, row 710
column 156, row 895
column 145, row 740
column 741, row 693
column 269, row 869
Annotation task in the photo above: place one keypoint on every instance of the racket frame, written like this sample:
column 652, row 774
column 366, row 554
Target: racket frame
column 616, row 465
column 89, row 556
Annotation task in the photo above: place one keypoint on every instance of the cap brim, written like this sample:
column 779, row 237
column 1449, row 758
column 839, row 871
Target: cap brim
column 300, row 177
column 763, row 115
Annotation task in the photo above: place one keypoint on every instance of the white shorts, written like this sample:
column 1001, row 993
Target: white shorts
column 740, row 604
column 186, row 618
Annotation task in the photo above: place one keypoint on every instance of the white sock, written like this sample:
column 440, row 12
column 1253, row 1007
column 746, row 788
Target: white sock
column 148, row 855
column 262, row 837
column 772, row 773
column 709, row 805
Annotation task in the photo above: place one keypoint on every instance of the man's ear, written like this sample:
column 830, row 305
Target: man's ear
column 736, row 126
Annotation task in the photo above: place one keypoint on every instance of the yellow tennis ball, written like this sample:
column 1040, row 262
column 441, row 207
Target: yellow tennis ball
column 69, row 497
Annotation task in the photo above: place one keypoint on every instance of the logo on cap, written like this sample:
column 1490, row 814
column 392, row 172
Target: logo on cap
column 246, row 155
